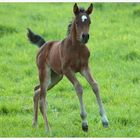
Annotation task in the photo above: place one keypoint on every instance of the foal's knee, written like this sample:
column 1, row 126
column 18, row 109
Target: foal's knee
column 95, row 87
column 78, row 88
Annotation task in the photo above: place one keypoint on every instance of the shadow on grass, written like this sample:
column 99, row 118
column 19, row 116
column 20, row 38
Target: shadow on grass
column 132, row 56
column 136, row 12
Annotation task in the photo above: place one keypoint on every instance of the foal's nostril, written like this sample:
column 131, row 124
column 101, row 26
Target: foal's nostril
column 88, row 36
column 83, row 36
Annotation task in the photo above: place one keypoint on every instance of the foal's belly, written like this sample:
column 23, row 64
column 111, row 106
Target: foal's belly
column 54, row 58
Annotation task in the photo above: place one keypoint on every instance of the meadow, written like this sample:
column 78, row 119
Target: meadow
column 115, row 63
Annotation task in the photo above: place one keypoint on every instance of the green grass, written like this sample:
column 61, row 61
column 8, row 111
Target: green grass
column 115, row 62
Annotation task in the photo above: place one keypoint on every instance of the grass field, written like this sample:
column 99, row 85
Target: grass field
column 115, row 62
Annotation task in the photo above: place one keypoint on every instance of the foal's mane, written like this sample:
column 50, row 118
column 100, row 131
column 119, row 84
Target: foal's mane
column 81, row 10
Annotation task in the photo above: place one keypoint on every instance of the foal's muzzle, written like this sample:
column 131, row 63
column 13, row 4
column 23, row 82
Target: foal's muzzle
column 85, row 38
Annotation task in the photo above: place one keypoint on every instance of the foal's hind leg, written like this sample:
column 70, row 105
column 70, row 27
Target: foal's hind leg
column 54, row 79
column 45, row 77
column 86, row 73
column 35, row 99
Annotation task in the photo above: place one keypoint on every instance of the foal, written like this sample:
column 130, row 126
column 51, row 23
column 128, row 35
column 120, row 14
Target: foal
column 66, row 57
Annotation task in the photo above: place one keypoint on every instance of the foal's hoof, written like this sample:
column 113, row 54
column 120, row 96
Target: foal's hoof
column 34, row 125
column 85, row 127
column 48, row 130
column 105, row 124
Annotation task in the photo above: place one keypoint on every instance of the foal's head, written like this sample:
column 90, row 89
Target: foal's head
column 82, row 23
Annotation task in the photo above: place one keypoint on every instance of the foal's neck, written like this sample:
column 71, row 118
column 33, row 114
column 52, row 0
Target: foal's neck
column 73, row 34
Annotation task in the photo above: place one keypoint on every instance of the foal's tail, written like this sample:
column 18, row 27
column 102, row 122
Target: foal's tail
column 35, row 39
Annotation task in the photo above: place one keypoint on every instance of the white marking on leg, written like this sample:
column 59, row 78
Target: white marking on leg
column 101, row 108
column 104, row 118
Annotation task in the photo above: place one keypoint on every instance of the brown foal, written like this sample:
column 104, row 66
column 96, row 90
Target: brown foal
column 66, row 57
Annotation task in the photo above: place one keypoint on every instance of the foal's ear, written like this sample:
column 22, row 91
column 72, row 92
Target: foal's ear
column 90, row 9
column 75, row 9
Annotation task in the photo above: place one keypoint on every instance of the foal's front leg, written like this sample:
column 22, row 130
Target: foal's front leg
column 86, row 73
column 71, row 76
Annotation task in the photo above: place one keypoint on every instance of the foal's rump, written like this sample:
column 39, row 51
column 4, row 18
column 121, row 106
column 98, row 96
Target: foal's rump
column 49, row 55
